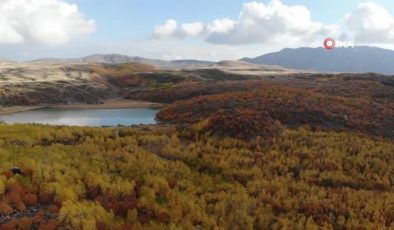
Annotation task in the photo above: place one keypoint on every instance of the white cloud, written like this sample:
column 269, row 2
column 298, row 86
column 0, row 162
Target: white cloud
column 370, row 22
column 276, row 23
column 170, row 29
column 269, row 23
column 258, row 23
column 191, row 29
column 224, row 25
column 52, row 22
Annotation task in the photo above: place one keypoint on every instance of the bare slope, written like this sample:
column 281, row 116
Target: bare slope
column 46, row 83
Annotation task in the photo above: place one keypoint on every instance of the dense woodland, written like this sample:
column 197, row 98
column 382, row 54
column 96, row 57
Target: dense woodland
column 157, row 178
column 378, row 88
column 292, row 107
column 283, row 152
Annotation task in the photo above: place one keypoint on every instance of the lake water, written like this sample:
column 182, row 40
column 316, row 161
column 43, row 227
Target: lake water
column 83, row 117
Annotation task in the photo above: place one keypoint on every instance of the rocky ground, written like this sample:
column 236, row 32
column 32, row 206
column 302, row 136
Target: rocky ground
column 29, row 212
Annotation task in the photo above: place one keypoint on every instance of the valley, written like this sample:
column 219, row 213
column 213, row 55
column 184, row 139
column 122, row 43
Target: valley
column 196, row 115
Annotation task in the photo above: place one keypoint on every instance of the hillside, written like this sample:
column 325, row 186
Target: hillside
column 248, row 114
column 43, row 83
column 96, row 78
column 351, row 60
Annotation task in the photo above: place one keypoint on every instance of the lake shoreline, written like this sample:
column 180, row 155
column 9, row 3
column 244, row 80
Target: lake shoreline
column 109, row 104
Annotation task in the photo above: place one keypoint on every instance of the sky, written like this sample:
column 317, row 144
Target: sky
column 187, row 29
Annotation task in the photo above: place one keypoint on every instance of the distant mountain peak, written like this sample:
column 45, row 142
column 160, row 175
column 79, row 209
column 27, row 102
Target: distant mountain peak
column 358, row 59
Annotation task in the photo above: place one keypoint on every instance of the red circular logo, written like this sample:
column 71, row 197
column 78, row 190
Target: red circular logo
column 329, row 43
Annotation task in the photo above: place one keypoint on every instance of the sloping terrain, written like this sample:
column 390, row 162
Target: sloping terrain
column 360, row 103
column 33, row 84
column 54, row 82
column 250, row 112
column 374, row 87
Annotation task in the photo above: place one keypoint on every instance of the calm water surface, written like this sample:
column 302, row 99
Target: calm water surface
column 84, row 117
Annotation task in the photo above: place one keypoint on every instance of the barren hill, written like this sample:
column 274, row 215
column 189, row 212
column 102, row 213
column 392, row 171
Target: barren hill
column 96, row 78
column 38, row 82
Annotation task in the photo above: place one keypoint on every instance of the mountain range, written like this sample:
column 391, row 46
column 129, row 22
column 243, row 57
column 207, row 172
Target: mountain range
column 232, row 66
column 119, row 59
column 359, row 59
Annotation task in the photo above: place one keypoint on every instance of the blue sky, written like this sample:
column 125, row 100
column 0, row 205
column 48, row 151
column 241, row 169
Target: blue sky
column 127, row 26
column 129, row 18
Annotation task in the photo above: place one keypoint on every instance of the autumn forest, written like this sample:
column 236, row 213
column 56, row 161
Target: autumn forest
column 305, row 151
